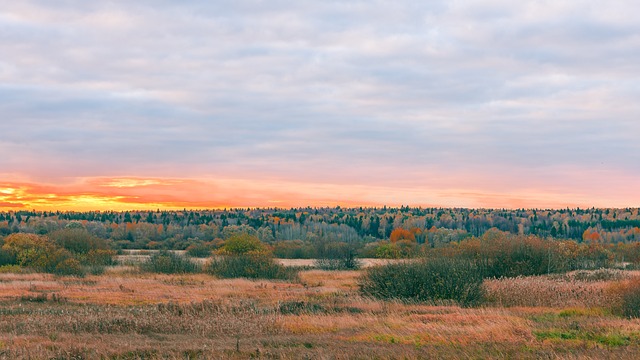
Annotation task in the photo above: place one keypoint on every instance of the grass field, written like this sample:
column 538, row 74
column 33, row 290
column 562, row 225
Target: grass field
column 124, row 314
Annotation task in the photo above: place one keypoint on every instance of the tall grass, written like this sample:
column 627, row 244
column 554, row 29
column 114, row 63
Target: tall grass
column 546, row 291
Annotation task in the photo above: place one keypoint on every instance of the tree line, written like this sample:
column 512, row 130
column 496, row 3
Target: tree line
column 313, row 232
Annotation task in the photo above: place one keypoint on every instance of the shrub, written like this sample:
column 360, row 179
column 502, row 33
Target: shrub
column 98, row 257
column 199, row 251
column 69, row 266
column 337, row 256
column 95, row 261
column 37, row 252
column 77, row 239
column 11, row 269
column 499, row 254
column 346, row 263
column 253, row 266
column 627, row 298
column 242, row 243
column 397, row 250
column 7, row 258
column 425, row 280
column 167, row 262
column 293, row 249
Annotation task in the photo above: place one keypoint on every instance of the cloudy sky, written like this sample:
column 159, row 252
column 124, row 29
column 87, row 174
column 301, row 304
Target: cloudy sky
column 171, row 104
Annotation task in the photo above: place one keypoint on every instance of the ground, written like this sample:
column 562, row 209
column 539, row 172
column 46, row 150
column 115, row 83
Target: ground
column 131, row 315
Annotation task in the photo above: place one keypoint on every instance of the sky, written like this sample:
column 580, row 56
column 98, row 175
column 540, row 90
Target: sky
column 115, row 105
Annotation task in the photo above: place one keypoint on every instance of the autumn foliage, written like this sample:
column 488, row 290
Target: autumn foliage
column 401, row 234
column 41, row 254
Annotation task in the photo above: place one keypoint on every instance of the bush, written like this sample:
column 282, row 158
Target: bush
column 293, row 249
column 95, row 261
column 199, row 251
column 401, row 249
column 627, row 298
column 337, row 256
column 7, row 258
column 242, row 243
column 346, row 263
column 425, row 280
column 167, row 262
column 253, row 266
column 36, row 252
column 11, row 269
column 77, row 240
column 98, row 257
column 69, row 266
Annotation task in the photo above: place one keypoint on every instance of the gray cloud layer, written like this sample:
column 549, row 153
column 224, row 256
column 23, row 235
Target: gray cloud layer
column 527, row 93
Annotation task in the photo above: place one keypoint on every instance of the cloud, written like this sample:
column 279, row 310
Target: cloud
column 485, row 94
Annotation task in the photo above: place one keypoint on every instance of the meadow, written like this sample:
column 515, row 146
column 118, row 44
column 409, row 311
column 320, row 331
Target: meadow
column 128, row 314
column 71, row 294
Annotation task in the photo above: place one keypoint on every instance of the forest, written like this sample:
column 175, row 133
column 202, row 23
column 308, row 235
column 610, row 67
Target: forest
column 375, row 232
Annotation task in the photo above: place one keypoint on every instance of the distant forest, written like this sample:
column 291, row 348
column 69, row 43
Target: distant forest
column 296, row 232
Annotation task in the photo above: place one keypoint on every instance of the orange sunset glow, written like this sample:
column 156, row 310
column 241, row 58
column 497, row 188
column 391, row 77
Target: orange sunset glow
column 131, row 193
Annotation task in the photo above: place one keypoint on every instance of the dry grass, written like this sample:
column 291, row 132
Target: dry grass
column 125, row 314
column 541, row 291
column 579, row 288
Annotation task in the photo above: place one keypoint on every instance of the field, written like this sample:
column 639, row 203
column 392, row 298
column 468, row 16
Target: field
column 125, row 314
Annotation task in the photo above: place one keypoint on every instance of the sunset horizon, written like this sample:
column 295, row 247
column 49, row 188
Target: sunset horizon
column 146, row 194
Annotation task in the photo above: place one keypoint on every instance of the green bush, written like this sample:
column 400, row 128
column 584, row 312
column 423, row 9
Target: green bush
column 426, row 280
column 7, row 258
column 77, row 240
column 199, row 251
column 401, row 249
column 36, row 252
column 242, row 243
column 98, row 257
column 293, row 249
column 336, row 256
column 253, row 266
column 69, row 266
column 96, row 261
column 11, row 269
column 167, row 262
column 501, row 254
column 346, row 263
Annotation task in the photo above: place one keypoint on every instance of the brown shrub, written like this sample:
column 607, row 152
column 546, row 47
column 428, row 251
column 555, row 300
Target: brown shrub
column 626, row 298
